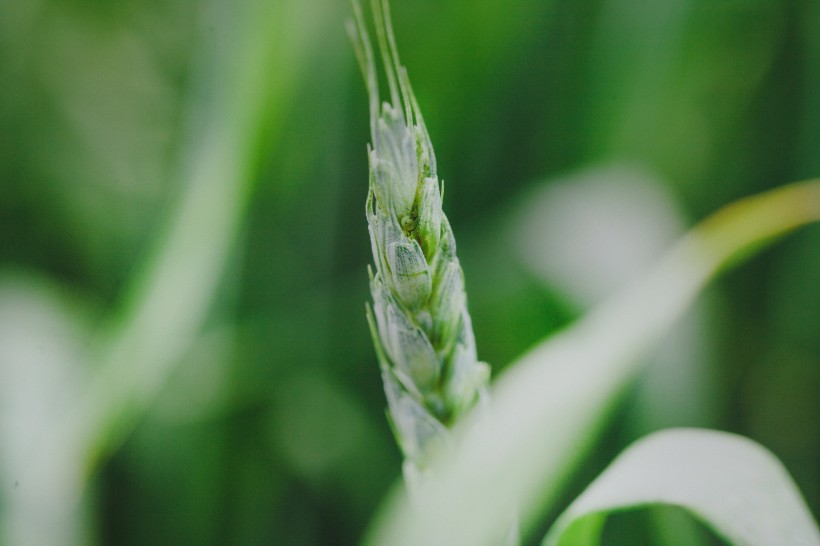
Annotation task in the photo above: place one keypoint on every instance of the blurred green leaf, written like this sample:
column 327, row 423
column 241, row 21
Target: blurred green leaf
column 43, row 351
column 247, row 71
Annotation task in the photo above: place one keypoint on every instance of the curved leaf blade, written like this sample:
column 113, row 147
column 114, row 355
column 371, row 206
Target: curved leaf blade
column 732, row 484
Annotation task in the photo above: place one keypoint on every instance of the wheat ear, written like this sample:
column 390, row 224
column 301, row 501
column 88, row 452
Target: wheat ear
column 419, row 321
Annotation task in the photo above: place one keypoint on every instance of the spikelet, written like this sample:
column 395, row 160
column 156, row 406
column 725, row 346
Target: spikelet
column 419, row 321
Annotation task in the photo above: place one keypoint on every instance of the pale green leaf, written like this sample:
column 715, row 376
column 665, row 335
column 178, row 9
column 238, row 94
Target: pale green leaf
column 730, row 483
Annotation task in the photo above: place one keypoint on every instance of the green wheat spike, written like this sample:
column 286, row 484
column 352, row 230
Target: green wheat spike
column 419, row 321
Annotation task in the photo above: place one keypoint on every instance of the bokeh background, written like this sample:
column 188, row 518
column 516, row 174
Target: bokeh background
column 183, row 352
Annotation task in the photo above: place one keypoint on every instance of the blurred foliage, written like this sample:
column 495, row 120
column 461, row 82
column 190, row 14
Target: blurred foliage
column 268, row 427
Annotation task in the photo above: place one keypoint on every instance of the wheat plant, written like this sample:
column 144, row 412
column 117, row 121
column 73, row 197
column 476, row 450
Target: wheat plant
column 553, row 399
column 419, row 320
